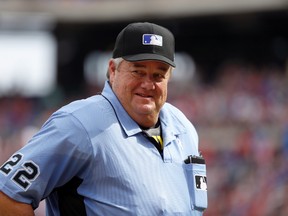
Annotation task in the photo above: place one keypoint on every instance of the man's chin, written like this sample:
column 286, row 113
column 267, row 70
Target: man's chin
column 146, row 109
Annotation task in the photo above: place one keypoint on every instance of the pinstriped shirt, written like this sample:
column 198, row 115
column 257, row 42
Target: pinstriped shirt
column 91, row 158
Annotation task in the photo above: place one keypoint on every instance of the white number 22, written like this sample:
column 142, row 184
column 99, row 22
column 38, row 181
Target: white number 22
column 23, row 176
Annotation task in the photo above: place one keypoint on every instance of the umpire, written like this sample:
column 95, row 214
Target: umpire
column 125, row 151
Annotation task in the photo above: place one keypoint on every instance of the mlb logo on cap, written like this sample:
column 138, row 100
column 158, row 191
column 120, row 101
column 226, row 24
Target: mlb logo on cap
column 152, row 39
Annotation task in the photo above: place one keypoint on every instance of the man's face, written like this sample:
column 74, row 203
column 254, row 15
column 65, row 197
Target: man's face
column 141, row 88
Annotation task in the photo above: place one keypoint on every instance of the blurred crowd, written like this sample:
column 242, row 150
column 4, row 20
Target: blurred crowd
column 242, row 121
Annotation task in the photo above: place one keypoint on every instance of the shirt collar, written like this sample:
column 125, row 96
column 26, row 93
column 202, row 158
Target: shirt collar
column 170, row 123
column 127, row 123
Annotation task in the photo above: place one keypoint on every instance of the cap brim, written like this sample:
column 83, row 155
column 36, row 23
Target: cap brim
column 149, row 56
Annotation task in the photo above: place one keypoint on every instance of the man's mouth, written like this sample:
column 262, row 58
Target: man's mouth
column 144, row 95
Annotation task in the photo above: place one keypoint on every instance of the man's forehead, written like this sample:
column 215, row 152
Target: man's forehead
column 147, row 63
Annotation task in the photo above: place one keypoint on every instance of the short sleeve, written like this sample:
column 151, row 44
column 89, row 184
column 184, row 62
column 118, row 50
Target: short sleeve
column 59, row 151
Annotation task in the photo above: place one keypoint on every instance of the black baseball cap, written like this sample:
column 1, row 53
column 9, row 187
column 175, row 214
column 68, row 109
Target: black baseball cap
column 145, row 41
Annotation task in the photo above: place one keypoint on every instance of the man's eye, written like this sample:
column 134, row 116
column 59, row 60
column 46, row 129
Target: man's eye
column 138, row 73
column 159, row 76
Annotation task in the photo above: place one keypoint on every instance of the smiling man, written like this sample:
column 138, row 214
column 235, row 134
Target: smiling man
column 123, row 152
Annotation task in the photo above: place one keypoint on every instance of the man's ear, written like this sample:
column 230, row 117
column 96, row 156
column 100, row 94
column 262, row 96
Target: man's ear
column 111, row 70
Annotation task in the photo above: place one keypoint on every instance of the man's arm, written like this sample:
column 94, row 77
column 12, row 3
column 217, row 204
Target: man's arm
column 10, row 207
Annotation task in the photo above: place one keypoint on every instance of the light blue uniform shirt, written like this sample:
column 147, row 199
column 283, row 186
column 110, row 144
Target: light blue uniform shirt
column 90, row 157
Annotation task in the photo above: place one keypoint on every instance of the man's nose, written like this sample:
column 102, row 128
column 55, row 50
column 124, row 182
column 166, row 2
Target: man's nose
column 148, row 82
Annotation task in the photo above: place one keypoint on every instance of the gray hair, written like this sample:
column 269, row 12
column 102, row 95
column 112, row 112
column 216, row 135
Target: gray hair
column 117, row 62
